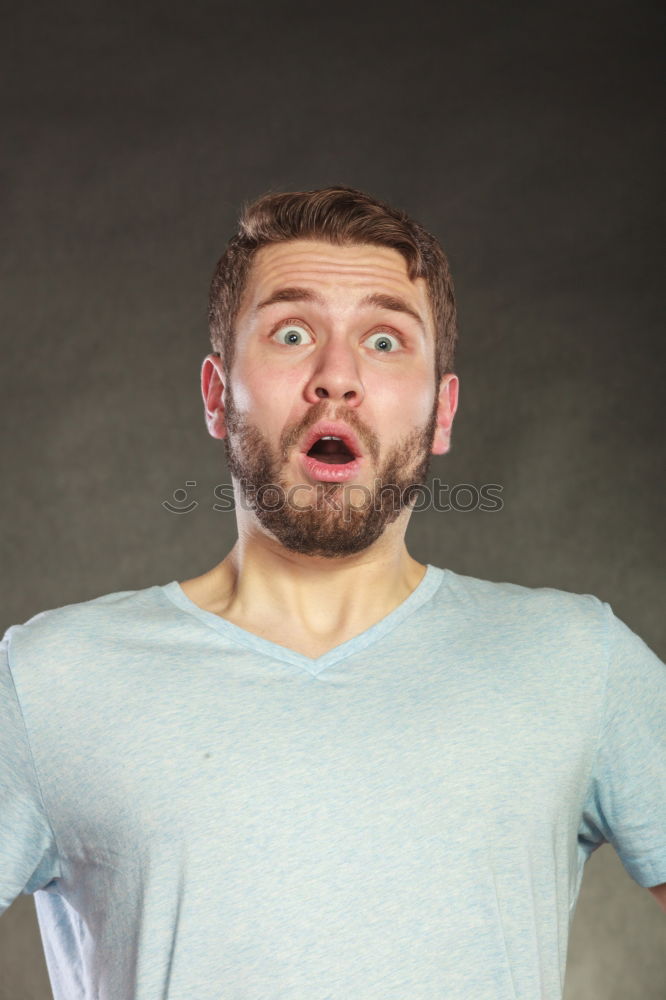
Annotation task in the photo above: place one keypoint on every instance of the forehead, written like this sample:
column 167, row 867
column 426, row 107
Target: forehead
column 334, row 271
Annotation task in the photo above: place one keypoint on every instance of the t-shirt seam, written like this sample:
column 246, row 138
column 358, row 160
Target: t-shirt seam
column 297, row 661
column 30, row 751
column 363, row 645
column 605, row 609
column 607, row 639
column 237, row 640
column 604, row 701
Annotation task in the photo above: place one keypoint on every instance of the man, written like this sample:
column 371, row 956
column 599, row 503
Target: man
column 322, row 769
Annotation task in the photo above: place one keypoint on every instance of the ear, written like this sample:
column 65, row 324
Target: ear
column 446, row 411
column 212, row 389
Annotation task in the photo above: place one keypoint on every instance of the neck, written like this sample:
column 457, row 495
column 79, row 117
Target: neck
column 261, row 585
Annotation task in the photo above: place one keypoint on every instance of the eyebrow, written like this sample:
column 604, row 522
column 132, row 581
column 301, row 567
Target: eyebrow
column 394, row 303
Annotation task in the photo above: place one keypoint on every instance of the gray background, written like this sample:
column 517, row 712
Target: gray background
column 525, row 137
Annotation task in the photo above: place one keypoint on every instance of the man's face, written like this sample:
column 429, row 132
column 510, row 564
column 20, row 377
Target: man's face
column 331, row 342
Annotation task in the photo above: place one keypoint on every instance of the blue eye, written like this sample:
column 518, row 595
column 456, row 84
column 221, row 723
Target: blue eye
column 292, row 333
column 385, row 342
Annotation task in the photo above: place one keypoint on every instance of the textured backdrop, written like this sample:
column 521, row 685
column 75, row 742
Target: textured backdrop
column 524, row 136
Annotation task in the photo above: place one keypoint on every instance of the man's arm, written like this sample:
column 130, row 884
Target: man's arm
column 28, row 852
column 659, row 893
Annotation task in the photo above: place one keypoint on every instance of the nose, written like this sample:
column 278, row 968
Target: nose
column 335, row 377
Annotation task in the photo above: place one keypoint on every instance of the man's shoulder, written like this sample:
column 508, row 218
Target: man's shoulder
column 506, row 601
column 88, row 621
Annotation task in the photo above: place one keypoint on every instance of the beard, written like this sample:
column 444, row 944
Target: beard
column 337, row 519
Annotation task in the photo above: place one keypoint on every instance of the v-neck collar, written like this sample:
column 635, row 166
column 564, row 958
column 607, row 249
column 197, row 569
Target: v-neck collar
column 430, row 582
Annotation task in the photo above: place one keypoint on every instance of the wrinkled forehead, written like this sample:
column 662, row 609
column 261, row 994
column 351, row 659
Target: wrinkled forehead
column 334, row 271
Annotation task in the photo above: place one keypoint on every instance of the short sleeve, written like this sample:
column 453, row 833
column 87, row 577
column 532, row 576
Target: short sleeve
column 626, row 801
column 28, row 853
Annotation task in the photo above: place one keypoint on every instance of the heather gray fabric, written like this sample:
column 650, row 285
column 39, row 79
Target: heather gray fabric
column 202, row 813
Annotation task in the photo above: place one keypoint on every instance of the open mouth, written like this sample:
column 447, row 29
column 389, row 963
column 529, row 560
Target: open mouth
column 331, row 451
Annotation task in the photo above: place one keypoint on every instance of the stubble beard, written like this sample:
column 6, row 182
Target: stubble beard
column 341, row 519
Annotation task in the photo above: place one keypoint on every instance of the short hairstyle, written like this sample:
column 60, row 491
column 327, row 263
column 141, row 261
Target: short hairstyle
column 343, row 216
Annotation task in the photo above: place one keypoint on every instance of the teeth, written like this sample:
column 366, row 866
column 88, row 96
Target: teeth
column 330, row 437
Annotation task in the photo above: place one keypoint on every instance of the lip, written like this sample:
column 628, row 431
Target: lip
column 329, row 427
column 323, row 472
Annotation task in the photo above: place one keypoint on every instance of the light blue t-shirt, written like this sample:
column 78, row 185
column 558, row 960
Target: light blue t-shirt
column 203, row 814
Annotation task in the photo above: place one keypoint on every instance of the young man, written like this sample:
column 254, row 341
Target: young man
column 322, row 770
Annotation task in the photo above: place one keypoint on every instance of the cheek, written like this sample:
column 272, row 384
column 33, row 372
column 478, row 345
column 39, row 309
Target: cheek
column 404, row 402
column 264, row 396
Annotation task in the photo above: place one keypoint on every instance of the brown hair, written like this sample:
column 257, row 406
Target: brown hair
column 344, row 216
